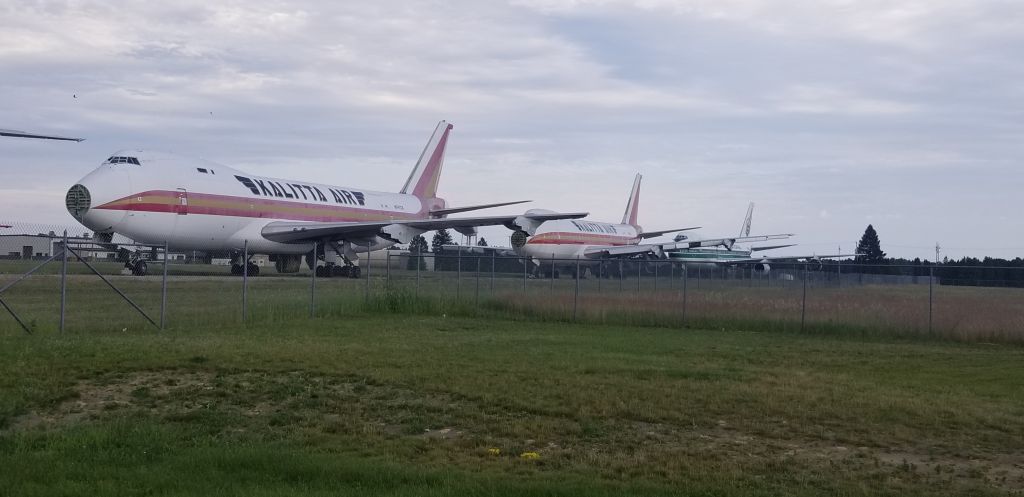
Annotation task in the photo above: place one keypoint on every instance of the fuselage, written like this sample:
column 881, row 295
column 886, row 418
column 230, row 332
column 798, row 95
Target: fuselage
column 195, row 204
column 570, row 239
column 700, row 257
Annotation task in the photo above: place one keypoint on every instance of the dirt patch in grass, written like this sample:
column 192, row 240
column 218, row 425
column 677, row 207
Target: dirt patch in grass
column 439, row 426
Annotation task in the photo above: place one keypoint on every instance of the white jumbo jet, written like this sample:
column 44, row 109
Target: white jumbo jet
column 193, row 204
column 591, row 242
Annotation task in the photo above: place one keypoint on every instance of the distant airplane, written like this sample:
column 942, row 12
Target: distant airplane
column 24, row 134
column 722, row 256
column 592, row 241
column 193, row 204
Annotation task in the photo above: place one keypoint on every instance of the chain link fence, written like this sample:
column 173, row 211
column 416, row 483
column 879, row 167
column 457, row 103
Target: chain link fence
column 98, row 286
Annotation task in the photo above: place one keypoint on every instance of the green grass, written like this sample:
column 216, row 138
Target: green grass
column 373, row 399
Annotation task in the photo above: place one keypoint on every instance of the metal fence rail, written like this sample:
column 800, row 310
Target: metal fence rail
column 90, row 290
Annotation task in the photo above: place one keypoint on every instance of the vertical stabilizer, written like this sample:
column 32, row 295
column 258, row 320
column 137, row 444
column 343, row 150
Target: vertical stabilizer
column 745, row 229
column 634, row 203
column 423, row 180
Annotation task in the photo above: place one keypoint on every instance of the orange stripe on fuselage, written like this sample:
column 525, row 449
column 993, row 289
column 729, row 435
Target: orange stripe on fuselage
column 232, row 206
column 572, row 238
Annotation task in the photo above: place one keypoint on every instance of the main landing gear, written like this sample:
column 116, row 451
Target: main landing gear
column 252, row 270
column 136, row 264
column 330, row 270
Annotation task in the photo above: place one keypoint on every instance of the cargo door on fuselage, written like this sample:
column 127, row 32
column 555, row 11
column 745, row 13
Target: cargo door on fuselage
column 181, row 202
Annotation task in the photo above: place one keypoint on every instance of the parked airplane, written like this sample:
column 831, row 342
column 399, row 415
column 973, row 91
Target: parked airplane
column 593, row 241
column 24, row 134
column 193, row 204
column 722, row 256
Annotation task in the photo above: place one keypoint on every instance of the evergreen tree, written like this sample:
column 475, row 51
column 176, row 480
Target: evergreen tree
column 482, row 242
column 442, row 260
column 869, row 248
column 441, row 238
column 417, row 247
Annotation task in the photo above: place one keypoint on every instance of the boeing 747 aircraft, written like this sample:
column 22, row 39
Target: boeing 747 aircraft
column 193, row 204
column 592, row 241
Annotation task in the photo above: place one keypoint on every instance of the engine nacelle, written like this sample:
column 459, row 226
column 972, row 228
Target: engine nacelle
column 762, row 267
column 519, row 238
column 814, row 264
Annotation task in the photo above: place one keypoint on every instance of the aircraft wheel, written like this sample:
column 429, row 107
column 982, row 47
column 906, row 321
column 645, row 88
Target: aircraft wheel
column 355, row 272
column 339, row 271
column 253, row 270
column 322, row 272
column 139, row 268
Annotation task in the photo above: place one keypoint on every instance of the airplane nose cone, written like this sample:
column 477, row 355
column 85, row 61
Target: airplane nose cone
column 78, row 201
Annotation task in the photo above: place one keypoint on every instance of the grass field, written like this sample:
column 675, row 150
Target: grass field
column 385, row 404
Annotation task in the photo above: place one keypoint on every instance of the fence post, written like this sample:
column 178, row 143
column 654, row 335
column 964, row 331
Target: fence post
column 552, row 273
column 931, row 279
column 526, row 261
column 163, row 289
column 639, row 267
column 494, row 256
column 367, row 275
column 698, row 277
column 686, row 276
column 312, row 283
column 620, row 275
column 387, row 270
column 600, row 275
column 63, row 280
column 458, row 276
column 671, row 274
column 477, row 298
column 419, row 261
column 803, row 302
column 657, row 264
column 576, row 296
column 245, row 279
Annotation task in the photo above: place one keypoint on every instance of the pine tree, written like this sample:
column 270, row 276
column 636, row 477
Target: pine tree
column 869, row 248
column 482, row 242
column 417, row 247
column 441, row 262
column 441, row 238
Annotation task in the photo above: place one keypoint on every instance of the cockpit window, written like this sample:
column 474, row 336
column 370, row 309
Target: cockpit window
column 201, row 169
column 123, row 160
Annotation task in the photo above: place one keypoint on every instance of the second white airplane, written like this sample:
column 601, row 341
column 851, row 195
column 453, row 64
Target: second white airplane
column 591, row 242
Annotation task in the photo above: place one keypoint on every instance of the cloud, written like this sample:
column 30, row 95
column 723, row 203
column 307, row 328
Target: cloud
column 855, row 109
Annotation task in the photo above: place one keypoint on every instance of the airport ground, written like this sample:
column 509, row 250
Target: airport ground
column 392, row 396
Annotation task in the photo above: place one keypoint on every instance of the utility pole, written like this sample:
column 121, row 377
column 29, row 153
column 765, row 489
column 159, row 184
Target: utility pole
column 937, row 250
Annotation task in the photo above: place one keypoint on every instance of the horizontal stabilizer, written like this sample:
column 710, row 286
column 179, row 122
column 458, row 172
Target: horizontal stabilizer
column 654, row 234
column 24, row 134
column 455, row 210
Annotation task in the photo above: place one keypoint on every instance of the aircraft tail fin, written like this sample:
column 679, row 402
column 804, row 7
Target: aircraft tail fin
column 424, row 178
column 633, row 206
column 745, row 229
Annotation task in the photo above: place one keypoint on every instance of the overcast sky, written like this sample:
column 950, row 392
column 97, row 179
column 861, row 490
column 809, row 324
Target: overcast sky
column 829, row 114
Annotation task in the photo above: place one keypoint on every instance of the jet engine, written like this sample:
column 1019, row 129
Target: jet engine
column 519, row 238
column 762, row 267
column 814, row 264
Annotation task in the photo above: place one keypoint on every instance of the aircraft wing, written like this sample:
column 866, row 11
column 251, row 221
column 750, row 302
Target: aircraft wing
column 655, row 234
column 401, row 231
column 23, row 134
column 725, row 242
column 659, row 249
column 787, row 258
column 483, row 249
